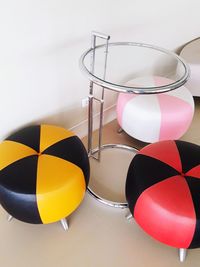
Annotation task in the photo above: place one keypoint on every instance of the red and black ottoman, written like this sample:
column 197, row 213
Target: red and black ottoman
column 163, row 193
column 44, row 173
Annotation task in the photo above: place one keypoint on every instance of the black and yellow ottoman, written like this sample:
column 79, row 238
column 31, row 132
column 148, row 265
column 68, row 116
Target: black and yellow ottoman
column 44, row 173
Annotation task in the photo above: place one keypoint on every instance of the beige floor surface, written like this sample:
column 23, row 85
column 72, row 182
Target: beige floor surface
column 98, row 236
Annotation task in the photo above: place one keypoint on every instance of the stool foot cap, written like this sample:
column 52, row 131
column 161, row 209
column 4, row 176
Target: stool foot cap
column 129, row 216
column 182, row 254
column 120, row 130
column 64, row 224
column 9, row 218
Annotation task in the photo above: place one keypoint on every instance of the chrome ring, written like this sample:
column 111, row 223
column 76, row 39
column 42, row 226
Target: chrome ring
column 135, row 90
column 107, row 202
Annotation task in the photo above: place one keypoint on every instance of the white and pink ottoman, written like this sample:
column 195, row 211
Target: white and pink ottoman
column 155, row 117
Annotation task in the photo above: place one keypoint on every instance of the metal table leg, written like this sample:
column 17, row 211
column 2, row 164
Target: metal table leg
column 96, row 152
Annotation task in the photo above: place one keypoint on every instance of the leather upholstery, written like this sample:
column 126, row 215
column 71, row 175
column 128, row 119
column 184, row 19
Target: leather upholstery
column 163, row 192
column 44, row 172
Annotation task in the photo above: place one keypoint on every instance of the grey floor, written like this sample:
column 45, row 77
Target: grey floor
column 98, row 236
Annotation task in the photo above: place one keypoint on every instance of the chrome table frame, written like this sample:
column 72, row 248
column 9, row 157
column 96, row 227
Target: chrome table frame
column 103, row 84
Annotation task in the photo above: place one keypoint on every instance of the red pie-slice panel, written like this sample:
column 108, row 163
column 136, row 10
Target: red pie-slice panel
column 165, row 151
column 167, row 214
column 194, row 172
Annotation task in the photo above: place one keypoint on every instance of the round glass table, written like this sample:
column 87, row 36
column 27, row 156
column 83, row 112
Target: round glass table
column 111, row 66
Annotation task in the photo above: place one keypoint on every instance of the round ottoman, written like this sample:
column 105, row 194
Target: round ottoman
column 191, row 53
column 163, row 192
column 155, row 117
column 44, row 172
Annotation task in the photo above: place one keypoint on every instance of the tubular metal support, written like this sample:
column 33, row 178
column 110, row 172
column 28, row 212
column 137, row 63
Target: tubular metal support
column 92, row 98
column 96, row 153
column 102, row 102
column 64, row 224
column 182, row 254
column 120, row 130
column 100, row 129
column 129, row 216
column 100, row 35
column 90, row 124
column 9, row 218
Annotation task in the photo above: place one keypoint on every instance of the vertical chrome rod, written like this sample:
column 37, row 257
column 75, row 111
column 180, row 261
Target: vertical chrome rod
column 90, row 122
column 102, row 104
column 91, row 98
column 91, row 95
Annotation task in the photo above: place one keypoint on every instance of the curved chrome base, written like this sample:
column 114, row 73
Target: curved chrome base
column 99, row 198
column 182, row 254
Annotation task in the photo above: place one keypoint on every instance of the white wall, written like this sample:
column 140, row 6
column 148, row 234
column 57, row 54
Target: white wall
column 41, row 42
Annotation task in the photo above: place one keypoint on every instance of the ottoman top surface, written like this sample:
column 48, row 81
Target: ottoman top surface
column 41, row 145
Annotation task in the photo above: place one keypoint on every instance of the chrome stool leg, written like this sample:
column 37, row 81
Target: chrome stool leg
column 9, row 218
column 120, row 130
column 129, row 216
column 64, row 224
column 182, row 254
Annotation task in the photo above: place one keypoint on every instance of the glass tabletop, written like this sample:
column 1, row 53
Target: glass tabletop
column 127, row 61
